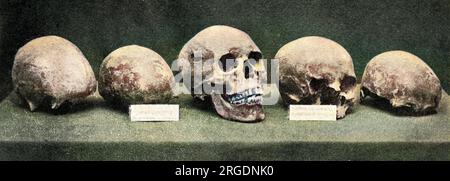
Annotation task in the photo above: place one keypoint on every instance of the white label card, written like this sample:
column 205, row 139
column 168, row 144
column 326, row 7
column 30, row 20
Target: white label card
column 154, row 112
column 312, row 112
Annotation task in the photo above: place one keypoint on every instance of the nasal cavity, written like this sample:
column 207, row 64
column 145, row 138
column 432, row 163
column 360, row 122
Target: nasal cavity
column 247, row 69
column 247, row 72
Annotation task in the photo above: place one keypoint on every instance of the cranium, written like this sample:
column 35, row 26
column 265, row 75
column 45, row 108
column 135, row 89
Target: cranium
column 51, row 70
column 134, row 74
column 404, row 80
column 231, row 66
column 316, row 70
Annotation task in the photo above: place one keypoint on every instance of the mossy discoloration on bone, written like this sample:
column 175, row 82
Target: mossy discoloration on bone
column 49, row 71
column 135, row 75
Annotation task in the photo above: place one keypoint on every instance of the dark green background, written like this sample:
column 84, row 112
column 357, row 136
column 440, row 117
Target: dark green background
column 365, row 28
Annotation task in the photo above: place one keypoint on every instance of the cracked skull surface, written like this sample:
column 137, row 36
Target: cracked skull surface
column 227, row 61
column 135, row 75
column 51, row 70
column 403, row 79
column 317, row 70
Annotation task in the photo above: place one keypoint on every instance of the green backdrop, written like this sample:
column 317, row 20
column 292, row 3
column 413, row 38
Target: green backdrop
column 365, row 28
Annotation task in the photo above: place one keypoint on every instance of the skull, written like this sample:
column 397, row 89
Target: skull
column 404, row 80
column 316, row 70
column 135, row 74
column 231, row 66
column 51, row 70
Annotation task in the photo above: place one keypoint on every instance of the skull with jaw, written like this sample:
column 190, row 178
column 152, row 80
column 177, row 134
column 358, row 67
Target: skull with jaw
column 231, row 72
column 404, row 80
column 316, row 70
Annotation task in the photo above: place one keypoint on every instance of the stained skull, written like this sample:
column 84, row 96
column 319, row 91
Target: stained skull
column 49, row 71
column 404, row 80
column 135, row 75
column 317, row 70
column 230, row 74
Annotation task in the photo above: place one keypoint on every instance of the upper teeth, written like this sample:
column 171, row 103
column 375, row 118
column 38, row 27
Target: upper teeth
column 249, row 96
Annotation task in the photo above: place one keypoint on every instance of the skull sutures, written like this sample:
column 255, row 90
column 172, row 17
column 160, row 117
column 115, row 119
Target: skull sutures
column 49, row 71
column 231, row 66
column 316, row 70
column 404, row 80
column 135, row 74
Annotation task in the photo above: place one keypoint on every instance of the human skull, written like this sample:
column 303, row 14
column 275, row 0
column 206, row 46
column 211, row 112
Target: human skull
column 316, row 70
column 51, row 70
column 231, row 65
column 135, row 75
column 403, row 79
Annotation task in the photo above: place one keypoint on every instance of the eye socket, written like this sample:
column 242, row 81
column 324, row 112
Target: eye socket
column 255, row 56
column 317, row 84
column 228, row 62
column 347, row 83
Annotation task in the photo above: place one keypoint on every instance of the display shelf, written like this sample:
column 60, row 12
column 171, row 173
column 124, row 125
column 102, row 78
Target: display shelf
column 92, row 130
